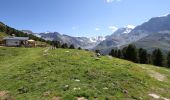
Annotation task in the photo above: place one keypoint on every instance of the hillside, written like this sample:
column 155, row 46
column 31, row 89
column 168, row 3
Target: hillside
column 2, row 35
column 161, row 40
column 6, row 30
column 43, row 74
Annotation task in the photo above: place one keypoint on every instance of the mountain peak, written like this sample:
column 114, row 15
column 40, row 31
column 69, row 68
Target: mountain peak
column 47, row 32
column 165, row 15
column 130, row 26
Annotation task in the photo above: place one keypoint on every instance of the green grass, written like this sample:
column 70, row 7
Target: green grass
column 28, row 74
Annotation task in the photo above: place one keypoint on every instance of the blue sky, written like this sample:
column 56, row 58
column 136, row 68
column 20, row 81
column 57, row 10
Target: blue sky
column 79, row 17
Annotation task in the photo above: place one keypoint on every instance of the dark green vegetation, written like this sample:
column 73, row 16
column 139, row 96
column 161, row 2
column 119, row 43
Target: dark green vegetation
column 168, row 59
column 157, row 57
column 141, row 56
column 41, row 74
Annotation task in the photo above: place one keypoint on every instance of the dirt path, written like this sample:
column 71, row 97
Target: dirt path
column 156, row 75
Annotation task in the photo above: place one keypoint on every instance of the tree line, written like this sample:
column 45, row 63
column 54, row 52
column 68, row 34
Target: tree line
column 141, row 56
column 59, row 44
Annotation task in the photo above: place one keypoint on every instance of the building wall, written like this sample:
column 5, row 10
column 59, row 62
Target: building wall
column 12, row 42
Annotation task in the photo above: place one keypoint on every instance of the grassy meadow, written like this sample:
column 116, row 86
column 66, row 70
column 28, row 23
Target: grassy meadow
column 66, row 74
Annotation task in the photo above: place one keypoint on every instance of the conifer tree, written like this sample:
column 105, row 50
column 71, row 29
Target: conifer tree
column 116, row 53
column 97, row 51
column 124, row 53
column 72, row 46
column 79, row 48
column 168, row 60
column 112, row 53
column 157, row 57
column 119, row 55
column 143, row 56
column 131, row 53
column 56, row 44
column 149, row 59
column 64, row 46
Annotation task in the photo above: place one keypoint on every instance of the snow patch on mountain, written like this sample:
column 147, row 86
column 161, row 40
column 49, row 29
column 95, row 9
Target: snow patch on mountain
column 130, row 26
column 128, row 29
column 165, row 15
column 47, row 32
column 97, row 39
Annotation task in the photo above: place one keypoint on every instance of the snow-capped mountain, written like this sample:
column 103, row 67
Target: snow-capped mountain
column 83, row 42
column 144, row 35
column 117, row 38
column 157, row 28
column 122, row 31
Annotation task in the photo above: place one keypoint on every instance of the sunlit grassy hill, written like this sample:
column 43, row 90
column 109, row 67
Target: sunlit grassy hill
column 2, row 35
column 46, row 74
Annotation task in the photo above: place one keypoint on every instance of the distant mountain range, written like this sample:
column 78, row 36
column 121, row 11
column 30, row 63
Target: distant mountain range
column 83, row 42
column 116, row 39
column 152, row 34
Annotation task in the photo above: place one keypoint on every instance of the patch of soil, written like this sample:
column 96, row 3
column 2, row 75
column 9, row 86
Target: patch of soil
column 81, row 98
column 5, row 95
column 56, row 98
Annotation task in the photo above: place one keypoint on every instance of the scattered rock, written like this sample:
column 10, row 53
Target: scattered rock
column 165, row 98
column 105, row 88
column 56, row 98
column 155, row 96
column 67, row 51
column 76, row 88
column 66, row 86
column 81, row 98
column 77, row 80
column 98, row 54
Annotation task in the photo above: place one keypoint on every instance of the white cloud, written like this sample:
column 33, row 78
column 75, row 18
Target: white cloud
column 97, row 29
column 110, row 1
column 113, row 28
